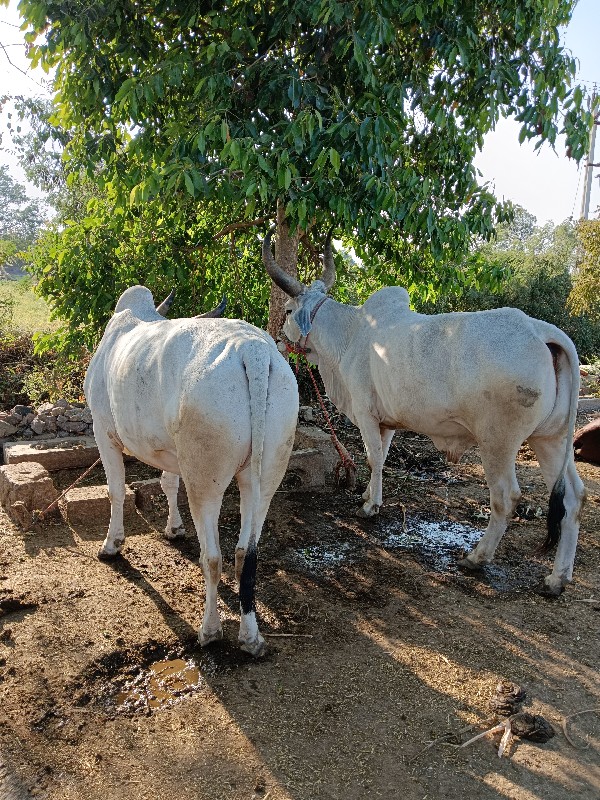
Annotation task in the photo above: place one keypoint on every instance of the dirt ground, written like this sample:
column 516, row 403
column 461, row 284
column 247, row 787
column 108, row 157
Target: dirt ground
column 382, row 656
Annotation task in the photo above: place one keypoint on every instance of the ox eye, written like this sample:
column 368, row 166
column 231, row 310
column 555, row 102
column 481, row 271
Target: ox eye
column 288, row 311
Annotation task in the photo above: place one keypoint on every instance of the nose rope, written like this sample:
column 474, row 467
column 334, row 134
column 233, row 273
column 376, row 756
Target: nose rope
column 346, row 463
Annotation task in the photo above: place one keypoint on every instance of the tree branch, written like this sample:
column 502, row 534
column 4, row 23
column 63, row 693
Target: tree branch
column 234, row 226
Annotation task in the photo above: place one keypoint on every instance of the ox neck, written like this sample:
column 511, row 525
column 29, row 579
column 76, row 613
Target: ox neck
column 330, row 331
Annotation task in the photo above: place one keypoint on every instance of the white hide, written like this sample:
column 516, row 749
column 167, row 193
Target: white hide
column 485, row 378
column 205, row 399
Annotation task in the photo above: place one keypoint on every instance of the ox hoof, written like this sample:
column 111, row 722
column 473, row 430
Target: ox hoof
column 469, row 566
column 367, row 511
column 548, row 590
column 108, row 553
column 175, row 533
column 207, row 638
column 256, row 648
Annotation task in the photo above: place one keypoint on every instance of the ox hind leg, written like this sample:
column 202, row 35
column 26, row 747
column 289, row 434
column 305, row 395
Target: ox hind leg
column 205, row 505
column 277, row 448
column 245, row 561
column 550, row 452
column 170, row 485
column 501, row 478
column 112, row 461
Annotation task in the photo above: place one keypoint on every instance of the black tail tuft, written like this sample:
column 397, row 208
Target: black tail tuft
column 556, row 512
column 248, row 580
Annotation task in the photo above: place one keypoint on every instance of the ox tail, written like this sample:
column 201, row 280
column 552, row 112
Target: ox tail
column 562, row 349
column 257, row 362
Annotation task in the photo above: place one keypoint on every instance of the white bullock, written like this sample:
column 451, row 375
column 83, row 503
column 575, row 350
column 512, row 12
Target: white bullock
column 204, row 399
column 489, row 378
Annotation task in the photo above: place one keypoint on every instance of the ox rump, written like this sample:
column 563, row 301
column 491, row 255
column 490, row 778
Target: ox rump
column 205, row 399
column 490, row 378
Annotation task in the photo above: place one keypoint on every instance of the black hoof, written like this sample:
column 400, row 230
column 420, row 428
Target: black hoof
column 546, row 591
column 468, row 566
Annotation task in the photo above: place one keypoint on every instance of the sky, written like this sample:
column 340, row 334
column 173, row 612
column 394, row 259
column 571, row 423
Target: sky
column 545, row 182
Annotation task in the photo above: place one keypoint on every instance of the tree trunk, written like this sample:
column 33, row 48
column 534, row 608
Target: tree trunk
column 286, row 255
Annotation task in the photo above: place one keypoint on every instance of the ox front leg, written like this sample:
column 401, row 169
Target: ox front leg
column 501, row 478
column 377, row 443
column 170, row 486
column 112, row 460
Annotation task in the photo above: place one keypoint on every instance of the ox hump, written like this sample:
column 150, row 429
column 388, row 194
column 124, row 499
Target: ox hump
column 138, row 300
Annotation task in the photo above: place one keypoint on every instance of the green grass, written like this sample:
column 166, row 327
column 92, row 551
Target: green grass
column 30, row 314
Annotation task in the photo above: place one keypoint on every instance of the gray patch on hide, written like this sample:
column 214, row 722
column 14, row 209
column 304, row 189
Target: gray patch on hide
column 526, row 397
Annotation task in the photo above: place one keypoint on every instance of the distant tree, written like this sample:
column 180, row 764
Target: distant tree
column 536, row 273
column 585, row 295
column 20, row 217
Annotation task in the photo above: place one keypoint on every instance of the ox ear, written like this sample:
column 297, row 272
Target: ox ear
column 287, row 283
column 166, row 304
column 216, row 312
column 328, row 276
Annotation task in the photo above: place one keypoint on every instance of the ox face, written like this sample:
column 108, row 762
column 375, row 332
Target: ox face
column 304, row 300
column 300, row 311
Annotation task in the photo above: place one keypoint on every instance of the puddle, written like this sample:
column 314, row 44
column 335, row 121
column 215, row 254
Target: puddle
column 161, row 684
column 154, row 676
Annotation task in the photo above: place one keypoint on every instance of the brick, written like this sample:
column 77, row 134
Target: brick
column 89, row 505
column 24, row 488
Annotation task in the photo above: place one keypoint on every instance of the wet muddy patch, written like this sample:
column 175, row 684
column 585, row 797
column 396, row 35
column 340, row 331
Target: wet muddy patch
column 153, row 676
column 436, row 544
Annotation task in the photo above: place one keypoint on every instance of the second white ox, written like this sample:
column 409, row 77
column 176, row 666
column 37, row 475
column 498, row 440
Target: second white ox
column 204, row 399
column 492, row 378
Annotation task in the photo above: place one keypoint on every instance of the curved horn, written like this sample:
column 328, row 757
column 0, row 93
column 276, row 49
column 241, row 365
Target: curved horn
column 328, row 276
column 286, row 283
column 216, row 312
column 166, row 304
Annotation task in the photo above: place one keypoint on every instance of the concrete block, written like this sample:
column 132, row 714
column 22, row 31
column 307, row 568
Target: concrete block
column 311, row 437
column 89, row 505
column 54, row 454
column 146, row 491
column 309, row 465
column 24, row 488
column 589, row 404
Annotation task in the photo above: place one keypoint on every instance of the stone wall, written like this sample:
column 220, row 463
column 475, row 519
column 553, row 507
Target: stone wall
column 47, row 421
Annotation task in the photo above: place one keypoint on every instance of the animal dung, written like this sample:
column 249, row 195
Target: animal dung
column 508, row 698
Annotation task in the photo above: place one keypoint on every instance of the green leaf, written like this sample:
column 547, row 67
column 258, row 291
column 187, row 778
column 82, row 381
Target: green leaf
column 334, row 158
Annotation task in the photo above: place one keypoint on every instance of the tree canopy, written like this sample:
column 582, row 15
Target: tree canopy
column 364, row 114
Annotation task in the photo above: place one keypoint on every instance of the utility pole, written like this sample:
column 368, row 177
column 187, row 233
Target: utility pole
column 587, row 181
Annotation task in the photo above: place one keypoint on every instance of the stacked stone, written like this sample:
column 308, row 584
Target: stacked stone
column 48, row 421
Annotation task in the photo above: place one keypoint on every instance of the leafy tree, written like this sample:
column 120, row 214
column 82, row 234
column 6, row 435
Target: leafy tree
column 306, row 112
column 20, row 217
column 585, row 295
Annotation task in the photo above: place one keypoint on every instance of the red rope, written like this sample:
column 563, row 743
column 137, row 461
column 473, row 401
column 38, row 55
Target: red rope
column 346, row 461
